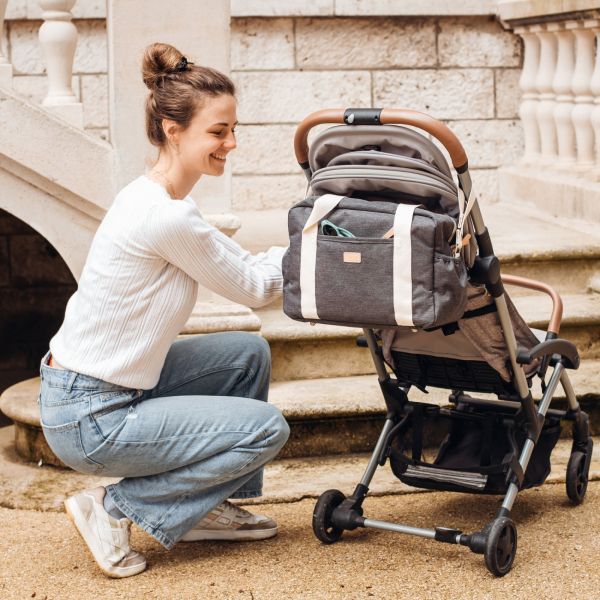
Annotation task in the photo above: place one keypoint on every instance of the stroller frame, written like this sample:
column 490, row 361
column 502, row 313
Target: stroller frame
column 334, row 512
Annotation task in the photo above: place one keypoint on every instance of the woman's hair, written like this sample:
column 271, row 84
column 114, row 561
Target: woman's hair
column 177, row 88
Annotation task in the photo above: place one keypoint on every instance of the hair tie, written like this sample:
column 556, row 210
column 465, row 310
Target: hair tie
column 182, row 65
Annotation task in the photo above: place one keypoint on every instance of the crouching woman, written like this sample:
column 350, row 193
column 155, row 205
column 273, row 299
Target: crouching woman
column 185, row 423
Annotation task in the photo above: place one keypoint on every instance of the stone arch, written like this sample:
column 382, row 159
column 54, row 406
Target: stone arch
column 35, row 285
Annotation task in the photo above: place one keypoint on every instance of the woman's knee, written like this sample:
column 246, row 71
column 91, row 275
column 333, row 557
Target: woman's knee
column 278, row 430
column 255, row 350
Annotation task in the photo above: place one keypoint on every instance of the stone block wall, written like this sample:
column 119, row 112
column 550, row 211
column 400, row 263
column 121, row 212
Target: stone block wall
column 35, row 285
column 463, row 70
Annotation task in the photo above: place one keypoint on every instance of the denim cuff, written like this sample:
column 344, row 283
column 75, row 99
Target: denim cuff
column 246, row 494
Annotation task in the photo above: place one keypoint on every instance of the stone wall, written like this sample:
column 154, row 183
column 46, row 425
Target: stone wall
column 463, row 70
column 35, row 285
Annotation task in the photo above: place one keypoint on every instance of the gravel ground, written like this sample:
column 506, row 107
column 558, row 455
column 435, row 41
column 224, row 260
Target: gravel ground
column 42, row 557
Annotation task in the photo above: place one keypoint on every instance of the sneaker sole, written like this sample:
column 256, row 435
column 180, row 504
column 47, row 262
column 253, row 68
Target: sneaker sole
column 245, row 535
column 81, row 525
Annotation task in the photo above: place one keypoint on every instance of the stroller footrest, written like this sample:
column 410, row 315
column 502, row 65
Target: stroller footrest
column 475, row 481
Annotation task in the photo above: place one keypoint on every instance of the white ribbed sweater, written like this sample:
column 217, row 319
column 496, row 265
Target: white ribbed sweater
column 139, row 285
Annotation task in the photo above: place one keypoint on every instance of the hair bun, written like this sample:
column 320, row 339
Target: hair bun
column 160, row 60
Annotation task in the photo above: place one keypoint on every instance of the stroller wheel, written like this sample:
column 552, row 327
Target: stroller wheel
column 577, row 477
column 501, row 546
column 321, row 521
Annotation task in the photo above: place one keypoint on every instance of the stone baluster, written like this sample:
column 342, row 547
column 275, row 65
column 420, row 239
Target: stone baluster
column 58, row 38
column 528, row 108
column 5, row 66
column 543, row 83
column 595, row 88
column 580, row 85
column 565, row 65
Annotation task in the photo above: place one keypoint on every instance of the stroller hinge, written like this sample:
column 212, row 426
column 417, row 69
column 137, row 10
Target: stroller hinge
column 447, row 535
column 362, row 116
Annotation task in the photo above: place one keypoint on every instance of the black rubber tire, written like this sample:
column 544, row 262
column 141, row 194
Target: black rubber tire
column 577, row 477
column 501, row 546
column 321, row 521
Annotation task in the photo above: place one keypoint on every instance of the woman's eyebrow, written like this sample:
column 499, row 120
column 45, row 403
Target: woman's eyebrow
column 224, row 124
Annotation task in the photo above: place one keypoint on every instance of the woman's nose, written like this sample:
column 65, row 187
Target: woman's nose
column 230, row 142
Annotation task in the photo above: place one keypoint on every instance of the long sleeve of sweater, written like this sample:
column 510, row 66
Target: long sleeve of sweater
column 178, row 233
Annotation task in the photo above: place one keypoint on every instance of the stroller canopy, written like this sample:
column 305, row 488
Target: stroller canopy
column 388, row 160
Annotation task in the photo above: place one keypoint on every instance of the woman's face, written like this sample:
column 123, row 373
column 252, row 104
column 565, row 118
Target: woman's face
column 203, row 147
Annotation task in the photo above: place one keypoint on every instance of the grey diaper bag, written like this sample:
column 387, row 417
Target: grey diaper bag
column 373, row 263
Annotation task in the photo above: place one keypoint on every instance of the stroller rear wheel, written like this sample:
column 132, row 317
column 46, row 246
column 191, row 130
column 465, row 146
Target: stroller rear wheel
column 321, row 522
column 577, row 477
column 501, row 546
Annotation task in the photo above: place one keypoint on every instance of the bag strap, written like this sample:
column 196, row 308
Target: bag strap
column 322, row 206
column 464, row 209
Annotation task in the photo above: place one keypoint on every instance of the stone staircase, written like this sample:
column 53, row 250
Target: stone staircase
column 326, row 385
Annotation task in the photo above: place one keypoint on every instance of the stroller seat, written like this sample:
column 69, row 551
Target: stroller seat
column 430, row 358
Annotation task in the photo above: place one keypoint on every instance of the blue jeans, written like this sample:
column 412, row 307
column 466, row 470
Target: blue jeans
column 202, row 435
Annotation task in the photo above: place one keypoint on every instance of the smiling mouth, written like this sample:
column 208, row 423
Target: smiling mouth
column 219, row 157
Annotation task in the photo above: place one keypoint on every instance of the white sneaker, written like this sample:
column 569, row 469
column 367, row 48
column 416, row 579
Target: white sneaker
column 106, row 537
column 231, row 523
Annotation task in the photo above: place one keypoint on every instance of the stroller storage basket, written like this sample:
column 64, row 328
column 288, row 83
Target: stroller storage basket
column 476, row 455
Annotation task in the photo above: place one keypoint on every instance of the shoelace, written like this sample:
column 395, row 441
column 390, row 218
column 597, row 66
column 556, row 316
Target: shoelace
column 237, row 509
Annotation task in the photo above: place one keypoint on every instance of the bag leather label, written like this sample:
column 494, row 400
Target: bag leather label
column 352, row 257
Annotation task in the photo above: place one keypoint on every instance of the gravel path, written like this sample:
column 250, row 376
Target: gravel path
column 42, row 557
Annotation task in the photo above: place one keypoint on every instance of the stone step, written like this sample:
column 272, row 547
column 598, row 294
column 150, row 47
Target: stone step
column 326, row 415
column 580, row 323
column 303, row 351
column 27, row 486
column 563, row 254
column 340, row 415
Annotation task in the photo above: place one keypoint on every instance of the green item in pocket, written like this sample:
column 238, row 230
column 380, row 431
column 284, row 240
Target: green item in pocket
column 329, row 228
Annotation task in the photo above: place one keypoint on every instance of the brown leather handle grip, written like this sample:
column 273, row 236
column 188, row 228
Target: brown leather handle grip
column 397, row 116
column 532, row 284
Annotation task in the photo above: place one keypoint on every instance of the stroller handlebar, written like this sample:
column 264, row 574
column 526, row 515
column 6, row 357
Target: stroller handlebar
column 396, row 116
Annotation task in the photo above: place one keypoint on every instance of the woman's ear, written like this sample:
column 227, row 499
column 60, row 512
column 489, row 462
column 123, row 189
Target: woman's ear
column 171, row 129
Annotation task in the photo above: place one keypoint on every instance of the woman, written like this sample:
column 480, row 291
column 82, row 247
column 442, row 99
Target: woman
column 185, row 423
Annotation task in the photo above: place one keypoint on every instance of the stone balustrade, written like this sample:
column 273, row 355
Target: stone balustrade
column 5, row 66
column 559, row 171
column 560, row 109
column 58, row 39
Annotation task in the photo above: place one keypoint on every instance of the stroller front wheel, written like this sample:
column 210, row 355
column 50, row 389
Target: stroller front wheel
column 501, row 546
column 322, row 525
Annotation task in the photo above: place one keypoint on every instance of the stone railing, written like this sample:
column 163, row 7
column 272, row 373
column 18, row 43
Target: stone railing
column 560, row 110
column 58, row 40
column 559, row 171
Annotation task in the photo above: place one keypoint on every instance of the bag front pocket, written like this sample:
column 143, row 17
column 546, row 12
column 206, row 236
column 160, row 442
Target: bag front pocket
column 353, row 280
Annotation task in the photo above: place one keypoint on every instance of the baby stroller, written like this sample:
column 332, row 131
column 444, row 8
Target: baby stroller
column 497, row 439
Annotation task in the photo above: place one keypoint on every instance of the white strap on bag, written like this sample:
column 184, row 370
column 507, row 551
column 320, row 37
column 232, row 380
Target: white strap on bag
column 308, row 254
column 402, row 283
column 402, row 259
column 462, row 217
